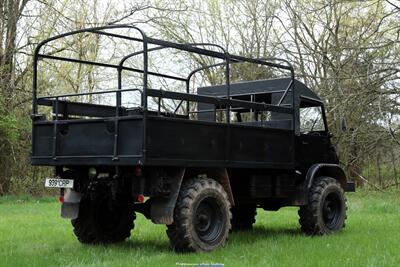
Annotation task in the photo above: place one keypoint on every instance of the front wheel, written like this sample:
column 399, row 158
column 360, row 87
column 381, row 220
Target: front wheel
column 325, row 212
column 201, row 217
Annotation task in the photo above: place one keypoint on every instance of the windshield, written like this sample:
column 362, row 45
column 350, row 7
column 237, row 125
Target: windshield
column 311, row 120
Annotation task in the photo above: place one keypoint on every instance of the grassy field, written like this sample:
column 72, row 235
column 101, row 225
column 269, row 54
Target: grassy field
column 33, row 234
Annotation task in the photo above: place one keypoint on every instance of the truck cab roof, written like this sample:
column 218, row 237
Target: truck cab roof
column 270, row 90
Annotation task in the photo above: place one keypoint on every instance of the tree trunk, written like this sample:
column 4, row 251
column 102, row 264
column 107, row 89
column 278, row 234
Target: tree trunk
column 10, row 11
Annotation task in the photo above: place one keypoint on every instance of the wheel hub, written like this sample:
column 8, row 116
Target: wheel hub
column 331, row 210
column 203, row 220
column 208, row 220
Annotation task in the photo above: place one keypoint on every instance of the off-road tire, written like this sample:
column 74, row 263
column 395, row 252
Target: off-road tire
column 243, row 217
column 201, row 217
column 325, row 212
column 103, row 220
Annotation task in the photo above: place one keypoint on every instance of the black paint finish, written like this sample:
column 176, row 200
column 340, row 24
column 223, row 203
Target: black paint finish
column 250, row 130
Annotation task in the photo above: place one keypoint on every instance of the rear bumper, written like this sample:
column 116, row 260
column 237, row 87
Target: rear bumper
column 351, row 186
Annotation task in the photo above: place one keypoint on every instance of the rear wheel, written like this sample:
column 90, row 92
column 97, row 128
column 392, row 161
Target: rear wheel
column 326, row 209
column 102, row 219
column 243, row 217
column 201, row 217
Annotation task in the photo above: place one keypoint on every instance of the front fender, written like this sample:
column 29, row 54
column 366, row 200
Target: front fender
column 331, row 170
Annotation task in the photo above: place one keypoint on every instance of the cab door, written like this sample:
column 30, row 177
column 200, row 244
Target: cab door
column 313, row 143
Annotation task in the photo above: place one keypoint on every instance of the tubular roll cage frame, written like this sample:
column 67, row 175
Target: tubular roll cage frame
column 146, row 91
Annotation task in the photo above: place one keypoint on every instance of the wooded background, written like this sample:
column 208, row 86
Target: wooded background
column 347, row 51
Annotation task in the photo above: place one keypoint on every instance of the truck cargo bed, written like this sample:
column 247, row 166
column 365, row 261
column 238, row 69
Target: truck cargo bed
column 169, row 141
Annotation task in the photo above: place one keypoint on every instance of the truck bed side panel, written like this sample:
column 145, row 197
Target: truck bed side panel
column 261, row 145
column 184, row 139
column 196, row 143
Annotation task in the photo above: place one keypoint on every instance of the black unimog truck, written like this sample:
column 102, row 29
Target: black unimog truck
column 202, row 172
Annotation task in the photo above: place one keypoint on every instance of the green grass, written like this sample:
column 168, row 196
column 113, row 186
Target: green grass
column 33, row 234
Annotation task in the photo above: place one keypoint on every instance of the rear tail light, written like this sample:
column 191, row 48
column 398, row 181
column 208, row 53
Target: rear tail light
column 138, row 171
column 140, row 198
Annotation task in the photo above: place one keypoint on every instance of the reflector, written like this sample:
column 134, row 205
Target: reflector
column 140, row 198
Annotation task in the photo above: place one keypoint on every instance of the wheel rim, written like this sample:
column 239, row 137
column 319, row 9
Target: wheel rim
column 332, row 210
column 208, row 220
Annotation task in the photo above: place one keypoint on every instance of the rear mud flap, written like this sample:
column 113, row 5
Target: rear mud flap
column 70, row 210
column 70, row 206
column 162, row 209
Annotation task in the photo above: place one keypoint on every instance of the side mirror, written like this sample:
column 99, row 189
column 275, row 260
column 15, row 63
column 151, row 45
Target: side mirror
column 343, row 125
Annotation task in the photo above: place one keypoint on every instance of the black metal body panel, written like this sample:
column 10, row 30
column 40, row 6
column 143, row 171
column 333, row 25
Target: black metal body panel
column 91, row 140
column 312, row 149
column 170, row 141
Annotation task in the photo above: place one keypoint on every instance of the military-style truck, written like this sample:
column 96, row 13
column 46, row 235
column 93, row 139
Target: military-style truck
column 202, row 172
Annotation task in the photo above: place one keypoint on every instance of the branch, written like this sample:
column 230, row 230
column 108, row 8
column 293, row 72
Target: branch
column 365, row 180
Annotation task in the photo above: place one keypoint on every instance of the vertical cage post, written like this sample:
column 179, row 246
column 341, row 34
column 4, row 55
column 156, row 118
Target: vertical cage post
column 228, row 107
column 34, row 85
column 144, row 96
column 293, row 101
column 228, row 88
column 55, row 128
column 34, row 100
column 118, row 95
column 294, row 124
column 215, row 112
column 187, row 91
column 159, row 103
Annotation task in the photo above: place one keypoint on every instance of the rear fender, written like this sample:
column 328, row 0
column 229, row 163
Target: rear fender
column 222, row 177
column 162, row 208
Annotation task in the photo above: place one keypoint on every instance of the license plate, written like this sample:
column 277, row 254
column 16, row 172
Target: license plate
column 59, row 183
